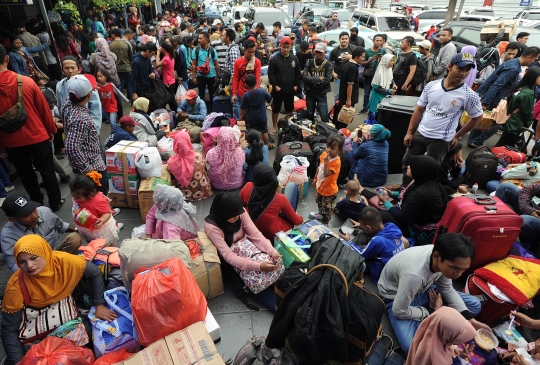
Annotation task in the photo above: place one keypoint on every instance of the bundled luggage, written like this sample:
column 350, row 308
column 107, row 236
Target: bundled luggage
column 509, row 154
column 298, row 149
column 480, row 167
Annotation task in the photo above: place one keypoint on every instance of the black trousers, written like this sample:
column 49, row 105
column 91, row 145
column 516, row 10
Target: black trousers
column 173, row 105
column 58, row 140
column 202, row 83
column 39, row 155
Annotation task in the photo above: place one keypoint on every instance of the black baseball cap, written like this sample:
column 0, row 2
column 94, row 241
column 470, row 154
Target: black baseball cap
column 19, row 205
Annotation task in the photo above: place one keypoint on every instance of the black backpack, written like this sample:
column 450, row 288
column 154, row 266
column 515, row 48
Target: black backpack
column 344, row 169
column 325, row 129
column 481, row 166
column 421, row 72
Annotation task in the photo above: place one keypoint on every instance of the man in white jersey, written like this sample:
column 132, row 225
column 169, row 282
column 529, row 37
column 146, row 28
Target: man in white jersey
column 432, row 128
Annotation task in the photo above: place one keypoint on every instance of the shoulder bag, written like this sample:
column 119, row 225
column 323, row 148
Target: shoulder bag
column 13, row 120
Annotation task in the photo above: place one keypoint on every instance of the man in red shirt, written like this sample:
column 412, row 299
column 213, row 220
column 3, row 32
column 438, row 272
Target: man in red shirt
column 243, row 66
column 31, row 144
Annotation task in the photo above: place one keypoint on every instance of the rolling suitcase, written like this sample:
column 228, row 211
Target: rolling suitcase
column 222, row 104
column 509, row 154
column 491, row 224
column 299, row 149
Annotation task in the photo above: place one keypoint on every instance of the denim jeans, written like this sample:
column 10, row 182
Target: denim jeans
column 111, row 117
column 337, row 82
column 405, row 329
column 478, row 137
column 5, row 183
column 322, row 105
column 125, row 80
column 508, row 193
column 367, row 91
column 291, row 193
column 236, row 107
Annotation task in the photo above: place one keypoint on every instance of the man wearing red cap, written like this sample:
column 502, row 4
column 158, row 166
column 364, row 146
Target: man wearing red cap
column 122, row 132
column 192, row 108
column 284, row 76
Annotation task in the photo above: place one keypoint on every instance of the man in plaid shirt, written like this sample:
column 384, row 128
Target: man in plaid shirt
column 83, row 148
column 521, row 201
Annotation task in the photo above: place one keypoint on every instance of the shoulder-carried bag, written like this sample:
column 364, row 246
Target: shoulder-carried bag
column 255, row 280
column 13, row 120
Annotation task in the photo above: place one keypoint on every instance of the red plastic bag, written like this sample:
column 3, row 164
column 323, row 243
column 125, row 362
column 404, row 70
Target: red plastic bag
column 113, row 357
column 57, row 351
column 165, row 299
column 194, row 247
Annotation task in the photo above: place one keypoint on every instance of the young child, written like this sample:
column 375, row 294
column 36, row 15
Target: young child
column 353, row 203
column 255, row 153
column 253, row 108
column 326, row 177
column 107, row 96
column 91, row 211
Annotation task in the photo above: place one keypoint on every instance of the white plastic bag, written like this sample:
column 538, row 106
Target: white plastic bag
column 160, row 117
column 139, row 232
column 165, row 148
column 180, row 92
column 293, row 169
column 148, row 162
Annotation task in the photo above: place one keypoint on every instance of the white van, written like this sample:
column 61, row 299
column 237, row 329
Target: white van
column 383, row 21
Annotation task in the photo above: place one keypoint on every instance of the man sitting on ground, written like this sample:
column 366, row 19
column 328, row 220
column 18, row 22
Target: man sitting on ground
column 122, row 132
column 192, row 108
column 28, row 217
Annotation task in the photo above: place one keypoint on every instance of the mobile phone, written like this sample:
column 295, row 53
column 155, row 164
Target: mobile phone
column 379, row 54
column 347, row 227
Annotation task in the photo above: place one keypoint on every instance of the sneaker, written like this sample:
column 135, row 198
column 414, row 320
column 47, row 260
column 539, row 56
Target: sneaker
column 363, row 111
column 9, row 188
column 115, row 212
column 119, row 226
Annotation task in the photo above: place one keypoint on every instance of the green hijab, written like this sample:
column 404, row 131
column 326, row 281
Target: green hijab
column 379, row 133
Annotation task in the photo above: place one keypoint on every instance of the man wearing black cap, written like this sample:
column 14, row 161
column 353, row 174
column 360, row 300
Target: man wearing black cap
column 27, row 217
column 355, row 40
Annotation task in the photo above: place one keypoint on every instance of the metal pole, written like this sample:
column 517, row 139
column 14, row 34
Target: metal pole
column 48, row 25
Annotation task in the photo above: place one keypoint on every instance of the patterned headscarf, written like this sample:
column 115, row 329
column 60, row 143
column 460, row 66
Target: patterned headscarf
column 105, row 60
column 173, row 209
column 227, row 155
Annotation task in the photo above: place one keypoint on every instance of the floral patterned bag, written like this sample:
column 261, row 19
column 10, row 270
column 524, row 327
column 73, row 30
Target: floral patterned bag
column 255, row 280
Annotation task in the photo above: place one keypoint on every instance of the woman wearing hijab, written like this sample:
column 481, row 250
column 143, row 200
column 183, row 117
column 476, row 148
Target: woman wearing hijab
column 171, row 217
column 423, row 201
column 145, row 131
column 104, row 59
column 226, row 161
column 228, row 223
column 371, row 157
column 435, row 340
column 269, row 210
column 469, row 80
column 189, row 169
column 44, row 278
column 382, row 82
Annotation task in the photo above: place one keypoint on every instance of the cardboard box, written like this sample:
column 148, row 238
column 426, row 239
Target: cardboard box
column 241, row 125
column 303, row 189
column 146, row 190
column 124, row 201
column 117, row 184
column 491, row 28
column 190, row 346
column 123, row 154
column 212, row 327
column 207, row 268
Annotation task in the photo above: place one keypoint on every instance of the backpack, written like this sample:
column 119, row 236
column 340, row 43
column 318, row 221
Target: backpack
column 500, row 113
column 481, row 166
column 421, row 72
column 15, row 117
column 255, row 352
column 204, row 69
column 485, row 57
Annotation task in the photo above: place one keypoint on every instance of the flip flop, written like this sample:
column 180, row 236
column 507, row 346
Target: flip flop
column 59, row 206
column 273, row 131
column 271, row 146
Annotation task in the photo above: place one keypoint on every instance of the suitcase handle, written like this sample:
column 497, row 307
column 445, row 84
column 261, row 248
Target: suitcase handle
column 295, row 145
column 484, row 200
column 510, row 148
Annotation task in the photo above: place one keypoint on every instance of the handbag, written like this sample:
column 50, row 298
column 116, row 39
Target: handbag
column 346, row 115
column 500, row 112
column 15, row 117
column 39, row 323
column 158, row 94
column 255, row 280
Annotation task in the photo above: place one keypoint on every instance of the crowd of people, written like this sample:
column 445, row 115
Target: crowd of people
column 90, row 74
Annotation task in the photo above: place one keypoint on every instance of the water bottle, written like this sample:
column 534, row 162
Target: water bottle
column 474, row 188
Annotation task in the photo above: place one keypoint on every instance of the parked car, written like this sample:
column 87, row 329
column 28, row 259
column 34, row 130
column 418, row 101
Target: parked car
column 527, row 17
column 338, row 4
column 343, row 15
column 429, row 17
column 332, row 39
column 392, row 24
column 211, row 16
column 485, row 11
column 268, row 16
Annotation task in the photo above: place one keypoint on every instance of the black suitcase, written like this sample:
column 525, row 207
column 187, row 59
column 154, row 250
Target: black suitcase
column 325, row 129
column 316, row 138
column 298, row 149
column 395, row 114
column 222, row 104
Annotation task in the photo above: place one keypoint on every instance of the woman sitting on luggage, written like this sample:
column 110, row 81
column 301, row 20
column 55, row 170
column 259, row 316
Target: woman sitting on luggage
column 226, row 161
column 269, row 210
column 423, row 201
column 371, row 157
column 382, row 82
column 450, row 175
column 255, row 153
column 46, row 277
column 145, row 131
column 520, row 106
column 171, row 217
column 189, row 169
column 436, row 339
column 228, row 223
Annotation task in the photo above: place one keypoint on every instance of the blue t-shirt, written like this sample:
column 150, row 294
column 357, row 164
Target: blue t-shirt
column 254, row 103
column 202, row 54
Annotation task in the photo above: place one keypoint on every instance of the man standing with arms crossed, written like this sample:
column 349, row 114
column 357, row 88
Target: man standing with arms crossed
column 339, row 56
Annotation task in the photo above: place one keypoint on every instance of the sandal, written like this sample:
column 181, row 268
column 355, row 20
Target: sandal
column 59, row 206
column 273, row 131
column 271, row 146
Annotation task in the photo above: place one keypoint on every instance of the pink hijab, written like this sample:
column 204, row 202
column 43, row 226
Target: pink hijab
column 227, row 155
column 183, row 163
column 432, row 343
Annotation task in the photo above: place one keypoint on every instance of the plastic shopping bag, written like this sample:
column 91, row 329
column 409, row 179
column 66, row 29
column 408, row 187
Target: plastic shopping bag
column 165, row 148
column 165, row 299
column 113, row 357
column 160, row 117
column 180, row 92
column 288, row 163
column 148, row 162
column 54, row 351
column 346, row 115
column 139, row 232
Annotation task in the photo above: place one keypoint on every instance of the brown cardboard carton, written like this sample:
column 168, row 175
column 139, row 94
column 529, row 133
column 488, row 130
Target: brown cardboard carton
column 123, row 200
column 146, row 190
column 241, row 125
column 491, row 28
column 207, row 268
column 190, row 346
